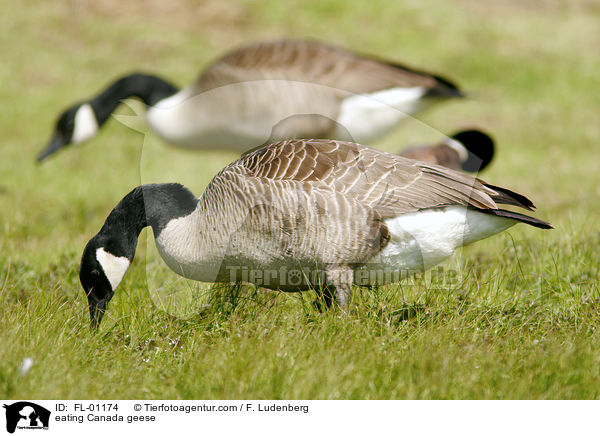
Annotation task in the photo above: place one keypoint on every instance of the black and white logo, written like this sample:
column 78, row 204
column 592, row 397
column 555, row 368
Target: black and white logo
column 26, row 415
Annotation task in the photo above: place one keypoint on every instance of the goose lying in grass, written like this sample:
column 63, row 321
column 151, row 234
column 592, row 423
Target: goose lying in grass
column 237, row 100
column 303, row 213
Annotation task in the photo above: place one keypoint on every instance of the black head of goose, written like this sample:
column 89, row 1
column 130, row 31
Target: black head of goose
column 467, row 150
column 238, row 99
column 303, row 213
column 83, row 120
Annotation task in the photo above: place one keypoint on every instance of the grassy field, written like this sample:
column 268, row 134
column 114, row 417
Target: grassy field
column 515, row 316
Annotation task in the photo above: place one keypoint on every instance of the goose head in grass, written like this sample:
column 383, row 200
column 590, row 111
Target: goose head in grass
column 109, row 253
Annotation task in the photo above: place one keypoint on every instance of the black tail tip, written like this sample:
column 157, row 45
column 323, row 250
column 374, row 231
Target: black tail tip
column 480, row 148
column 526, row 219
column 445, row 89
column 540, row 224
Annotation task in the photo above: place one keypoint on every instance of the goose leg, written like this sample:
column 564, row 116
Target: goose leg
column 340, row 279
column 325, row 300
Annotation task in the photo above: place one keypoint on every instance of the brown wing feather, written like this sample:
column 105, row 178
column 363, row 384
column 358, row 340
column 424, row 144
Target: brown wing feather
column 326, row 201
column 313, row 62
column 391, row 185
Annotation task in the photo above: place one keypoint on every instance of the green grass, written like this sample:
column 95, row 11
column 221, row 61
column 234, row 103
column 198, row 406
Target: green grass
column 517, row 320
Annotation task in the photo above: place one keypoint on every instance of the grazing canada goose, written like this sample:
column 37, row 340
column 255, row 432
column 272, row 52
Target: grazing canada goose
column 467, row 150
column 297, row 207
column 238, row 99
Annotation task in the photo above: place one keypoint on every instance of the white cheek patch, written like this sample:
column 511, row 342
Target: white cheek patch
column 85, row 124
column 114, row 267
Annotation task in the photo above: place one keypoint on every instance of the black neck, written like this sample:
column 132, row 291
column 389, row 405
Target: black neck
column 149, row 89
column 147, row 205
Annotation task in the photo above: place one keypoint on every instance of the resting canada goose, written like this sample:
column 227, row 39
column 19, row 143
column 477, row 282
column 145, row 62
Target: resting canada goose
column 237, row 100
column 298, row 207
column 467, row 150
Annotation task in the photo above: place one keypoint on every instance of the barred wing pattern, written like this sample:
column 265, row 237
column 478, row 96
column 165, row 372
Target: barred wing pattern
column 391, row 185
column 325, row 201
column 333, row 206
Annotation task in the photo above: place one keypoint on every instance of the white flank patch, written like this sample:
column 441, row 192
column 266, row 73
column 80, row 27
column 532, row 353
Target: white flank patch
column 423, row 239
column 85, row 125
column 463, row 154
column 114, row 267
column 369, row 116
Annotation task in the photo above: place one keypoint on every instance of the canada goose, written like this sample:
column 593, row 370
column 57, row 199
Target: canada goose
column 467, row 150
column 297, row 207
column 238, row 99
